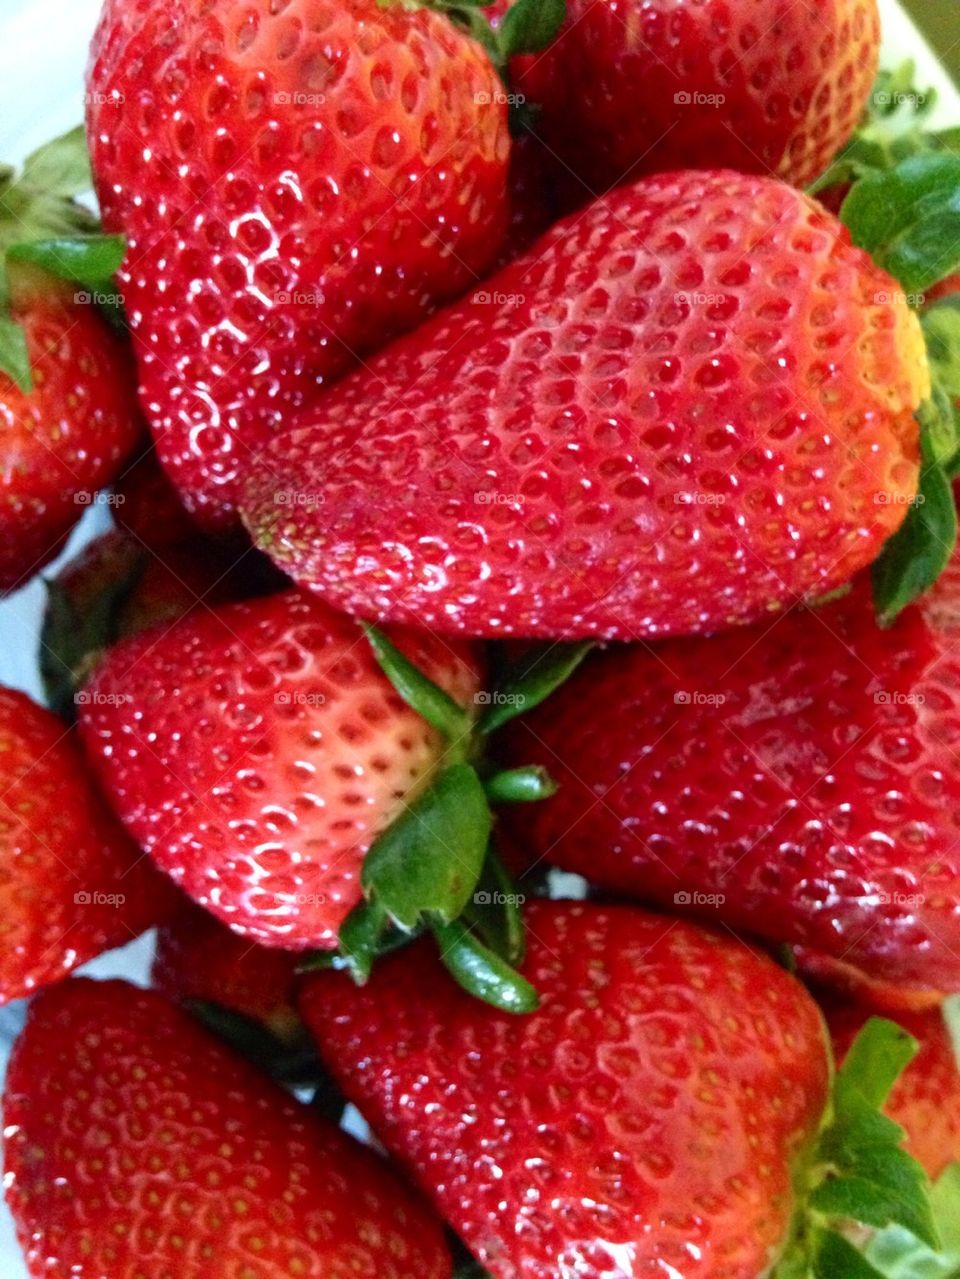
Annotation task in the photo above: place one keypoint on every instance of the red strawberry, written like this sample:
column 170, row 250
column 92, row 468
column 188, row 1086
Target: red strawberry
column 888, row 998
column 257, row 750
column 148, row 505
column 680, row 410
column 926, row 1099
column 198, row 959
column 137, row 1144
column 71, row 882
column 797, row 779
column 644, row 1121
column 761, row 86
column 297, row 183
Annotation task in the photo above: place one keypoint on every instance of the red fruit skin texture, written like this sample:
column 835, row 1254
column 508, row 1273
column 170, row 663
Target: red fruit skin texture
column 761, row 86
column 643, row 1122
column 68, row 436
column 72, row 883
column 297, row 184
column 803, row 770
column 685, row 407
column 137, row 1144
column 197, row 958
column 256, row 750
column 925, row 1101
column 843, row 981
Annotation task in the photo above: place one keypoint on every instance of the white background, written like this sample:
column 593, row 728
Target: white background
column 43, row 46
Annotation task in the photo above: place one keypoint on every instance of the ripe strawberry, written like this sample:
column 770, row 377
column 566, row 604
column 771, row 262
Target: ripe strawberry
column 296, row 183
column 797, row 780
column 148, row 505
column 198, row 959
column 842, row 980
column 752, row 85
column 925, row 1101
column 680, row 410
column 137, row 1144
column 649, row 1119
column 71, row 882
column 257, row 750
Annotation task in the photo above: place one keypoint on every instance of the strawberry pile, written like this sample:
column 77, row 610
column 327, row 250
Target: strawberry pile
column 518, row 685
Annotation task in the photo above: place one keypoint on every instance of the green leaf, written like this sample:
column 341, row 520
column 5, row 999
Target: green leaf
column 898, row 1254
column 92, row 260
column 360, row 936
column 481, row 972
column 524, row 785
column 494, row 910
column 428, row 862
column 548, row 670
column 14, row 357
column 915, row 556
column 61, row 167
column 426, row 698
column 906, row 218
column 876, row 1060
column 836, row 1258
column 529, row 26
column 872, row 1203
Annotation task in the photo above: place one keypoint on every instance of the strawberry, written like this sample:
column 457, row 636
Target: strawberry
column 647, row 85
column 68, row 413
column 137, row 1144
column 198, row 959
column 656, row 1116
column 72, row 883
column 925, row 1101
column 297, row 183
column 680, row 410
column 117, row 586
column 796, row 780
column 257, row 751
column 148, row 505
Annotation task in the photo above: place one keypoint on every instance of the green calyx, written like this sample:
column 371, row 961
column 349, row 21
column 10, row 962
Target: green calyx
column 902, row 207
column 863, row 1201
column 436, row 868
column 43, row 226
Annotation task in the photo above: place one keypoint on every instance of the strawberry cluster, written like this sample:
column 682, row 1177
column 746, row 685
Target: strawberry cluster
column 518, row 684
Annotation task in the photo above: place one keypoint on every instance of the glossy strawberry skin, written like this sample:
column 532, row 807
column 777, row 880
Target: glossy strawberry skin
column 197, row 958
column 296, row 187
column 761, row 86
column 68, row 436
column 137, row 1143
column 642, row 1121
column 256, row 750
column 802, row 770
column 678, row 411
column 72, row 883
column 926, row 1099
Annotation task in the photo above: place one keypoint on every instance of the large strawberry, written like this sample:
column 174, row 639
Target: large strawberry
column 257, row 751
column 796, row 780
column 761, row 86
column 681, row 409
column 68, row 411
column 72, row 884
column 137, row 1145
column 655, row 1116
column 297, row 182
